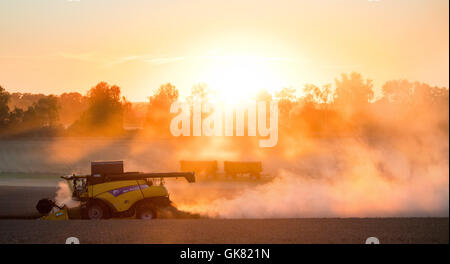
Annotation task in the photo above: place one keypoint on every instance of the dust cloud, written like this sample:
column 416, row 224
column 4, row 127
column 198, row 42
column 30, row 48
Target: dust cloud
column 338, row 177
column 349, row 178
column 64, row 196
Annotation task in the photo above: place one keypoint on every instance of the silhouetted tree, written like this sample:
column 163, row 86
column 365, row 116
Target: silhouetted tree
column 4, row 109
column 15, row 118
column 199, row 93
column 286, row 102
column 414, row 93
column 72, row 105
column 316, row 94
column 158, row 114
column 104, row 115
column 43, row 113
column 23, row 100
column 30, row 119
column 398, row 91
column 47, row 111
column 353, row 91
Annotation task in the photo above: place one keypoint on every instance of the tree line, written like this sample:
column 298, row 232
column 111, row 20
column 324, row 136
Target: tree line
column 345, row 108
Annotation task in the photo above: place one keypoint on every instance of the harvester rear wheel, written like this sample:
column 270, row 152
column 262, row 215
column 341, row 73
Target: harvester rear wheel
column 146, row 213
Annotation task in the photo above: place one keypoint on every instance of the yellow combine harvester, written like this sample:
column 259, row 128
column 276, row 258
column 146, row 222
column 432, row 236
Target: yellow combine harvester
column 109, row 192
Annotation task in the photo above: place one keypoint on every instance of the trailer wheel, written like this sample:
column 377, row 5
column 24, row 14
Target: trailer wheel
column 146, row 213
column 97, row 211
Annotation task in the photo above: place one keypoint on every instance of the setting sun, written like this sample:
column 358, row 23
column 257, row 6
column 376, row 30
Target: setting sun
column 239, row 78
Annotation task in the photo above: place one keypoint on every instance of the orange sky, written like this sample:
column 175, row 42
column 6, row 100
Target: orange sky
column 54, row 46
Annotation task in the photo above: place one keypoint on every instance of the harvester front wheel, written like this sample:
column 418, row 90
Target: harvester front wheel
column 97, row 211
column 146, row 213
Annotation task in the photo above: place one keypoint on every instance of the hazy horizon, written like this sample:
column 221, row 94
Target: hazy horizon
column 62, row 46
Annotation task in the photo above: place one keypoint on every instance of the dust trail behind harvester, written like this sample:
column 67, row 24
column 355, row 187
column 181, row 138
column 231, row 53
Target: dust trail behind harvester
column 340, row 177
column 344, row 178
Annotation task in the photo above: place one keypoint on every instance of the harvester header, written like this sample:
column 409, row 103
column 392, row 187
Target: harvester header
column 105, row 171
column 189, row 176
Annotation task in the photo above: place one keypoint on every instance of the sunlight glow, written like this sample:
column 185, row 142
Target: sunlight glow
column 238, row 78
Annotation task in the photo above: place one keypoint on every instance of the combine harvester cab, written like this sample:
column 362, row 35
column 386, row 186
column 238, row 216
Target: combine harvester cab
column 109, row 192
